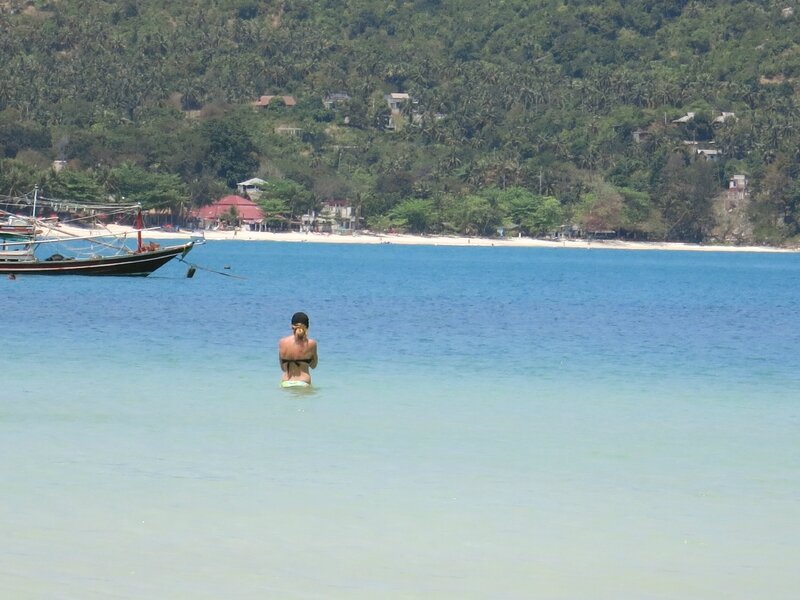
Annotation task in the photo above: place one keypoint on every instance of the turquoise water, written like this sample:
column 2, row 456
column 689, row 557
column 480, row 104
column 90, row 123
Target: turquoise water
column 485, row 423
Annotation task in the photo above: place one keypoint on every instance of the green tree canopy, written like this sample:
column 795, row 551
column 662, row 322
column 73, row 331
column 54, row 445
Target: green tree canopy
column 81, row 186
column 152, row 190
column 17, row 178
column 228, row 150
column 414, row 214
column 533, row 213
column 687, row 191
column 473, row 215
column 601, row 207
column 291, row 195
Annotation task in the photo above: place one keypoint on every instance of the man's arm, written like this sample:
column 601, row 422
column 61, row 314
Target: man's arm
column 280, row 354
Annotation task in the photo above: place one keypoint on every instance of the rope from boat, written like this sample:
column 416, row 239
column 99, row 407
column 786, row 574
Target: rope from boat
column 66, row 205
column 120, row 249
column 210, row 270
column 90, row 217
column 96, row 239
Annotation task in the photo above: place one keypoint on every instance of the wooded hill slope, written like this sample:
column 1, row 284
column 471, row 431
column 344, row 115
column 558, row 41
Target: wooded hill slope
column 520, row 113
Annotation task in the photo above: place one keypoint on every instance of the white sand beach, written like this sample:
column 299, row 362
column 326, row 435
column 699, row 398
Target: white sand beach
column 366, row 237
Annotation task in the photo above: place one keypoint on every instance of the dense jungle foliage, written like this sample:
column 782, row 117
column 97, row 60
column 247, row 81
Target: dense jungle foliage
column 521, row 114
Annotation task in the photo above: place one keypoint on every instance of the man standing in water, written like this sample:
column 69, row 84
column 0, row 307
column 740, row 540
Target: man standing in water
column 297, row 354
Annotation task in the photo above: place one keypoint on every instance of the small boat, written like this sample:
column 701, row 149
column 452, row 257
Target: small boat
column 20, row 249
column 14, row 227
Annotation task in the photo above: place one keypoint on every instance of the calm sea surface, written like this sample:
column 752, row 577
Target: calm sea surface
column 485, row 423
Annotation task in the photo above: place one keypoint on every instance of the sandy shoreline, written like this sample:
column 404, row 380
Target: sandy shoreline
column 409, row 240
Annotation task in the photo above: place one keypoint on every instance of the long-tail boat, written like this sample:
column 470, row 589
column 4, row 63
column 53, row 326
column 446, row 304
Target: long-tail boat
column 23, row 253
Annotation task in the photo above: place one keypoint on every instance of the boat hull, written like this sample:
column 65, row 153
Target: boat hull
column 140, row 264
column 16, row 232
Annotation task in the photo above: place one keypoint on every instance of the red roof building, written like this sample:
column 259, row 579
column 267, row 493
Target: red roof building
column 246, row 210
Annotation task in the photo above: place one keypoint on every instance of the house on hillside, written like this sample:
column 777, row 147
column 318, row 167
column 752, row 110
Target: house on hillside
column 731, row 212
column 289, row 130
column 397, row 101
column 737, row 187
column 685, row 118
column 640, row 135
column 332, row 101
column 709, row 153
column 724, row 116
column 703, row 149
column 265, row 101
column 252, row 188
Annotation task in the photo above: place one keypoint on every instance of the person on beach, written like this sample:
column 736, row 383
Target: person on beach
column 297, row 353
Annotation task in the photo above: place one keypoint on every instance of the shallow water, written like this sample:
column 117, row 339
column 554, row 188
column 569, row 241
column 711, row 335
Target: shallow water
column 485, row 423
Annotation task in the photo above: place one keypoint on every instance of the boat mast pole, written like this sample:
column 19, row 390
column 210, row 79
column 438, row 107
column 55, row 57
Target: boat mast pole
column 33, row 216
column 139, row 226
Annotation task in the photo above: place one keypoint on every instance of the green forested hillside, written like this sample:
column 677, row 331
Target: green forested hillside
column 521, row 114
